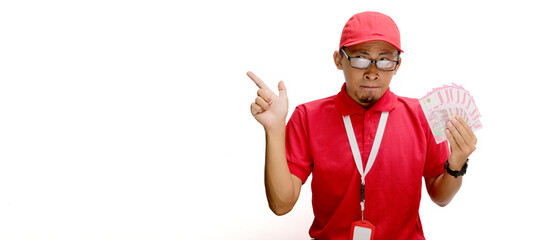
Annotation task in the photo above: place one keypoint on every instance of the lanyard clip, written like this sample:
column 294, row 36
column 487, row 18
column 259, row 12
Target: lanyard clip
column 362, row 201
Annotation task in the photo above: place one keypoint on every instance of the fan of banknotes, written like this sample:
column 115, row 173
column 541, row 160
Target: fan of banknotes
column 441, row 104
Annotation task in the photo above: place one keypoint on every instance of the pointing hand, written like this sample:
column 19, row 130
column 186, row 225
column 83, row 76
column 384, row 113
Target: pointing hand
column 269, row 109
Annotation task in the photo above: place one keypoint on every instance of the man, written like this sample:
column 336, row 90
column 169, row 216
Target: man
column 384, row 198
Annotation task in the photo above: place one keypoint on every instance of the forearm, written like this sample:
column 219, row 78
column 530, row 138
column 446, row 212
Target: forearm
column 279, row 182
column 444, row 188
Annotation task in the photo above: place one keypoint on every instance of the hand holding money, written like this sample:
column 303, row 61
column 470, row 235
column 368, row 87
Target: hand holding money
column 453, row 115
column 462, row 142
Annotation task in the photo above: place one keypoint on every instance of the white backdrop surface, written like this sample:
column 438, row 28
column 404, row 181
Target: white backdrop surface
column 130, row 119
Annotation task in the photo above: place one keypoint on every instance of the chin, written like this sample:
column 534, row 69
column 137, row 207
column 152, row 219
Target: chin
column 367, row 99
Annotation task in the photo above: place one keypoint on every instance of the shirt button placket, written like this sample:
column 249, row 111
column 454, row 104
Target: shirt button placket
column 368, row 120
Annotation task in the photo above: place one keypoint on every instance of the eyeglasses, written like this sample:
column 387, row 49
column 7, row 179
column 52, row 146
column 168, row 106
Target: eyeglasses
column 363, row 63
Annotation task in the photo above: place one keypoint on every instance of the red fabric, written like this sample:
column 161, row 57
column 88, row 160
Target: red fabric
column 316, row 142
column 370, row 26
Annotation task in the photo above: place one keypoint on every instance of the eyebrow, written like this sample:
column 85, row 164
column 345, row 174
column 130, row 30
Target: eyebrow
column 365, row 53
column 380, row 54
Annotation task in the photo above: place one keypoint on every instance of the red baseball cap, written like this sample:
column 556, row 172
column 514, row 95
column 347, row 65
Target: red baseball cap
column 370, row 26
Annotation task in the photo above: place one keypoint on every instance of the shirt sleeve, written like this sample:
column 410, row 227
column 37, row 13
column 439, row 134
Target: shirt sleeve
column 297, row 145
column 437, row 154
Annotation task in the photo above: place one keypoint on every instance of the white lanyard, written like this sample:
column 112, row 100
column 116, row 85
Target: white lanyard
column 357, row 154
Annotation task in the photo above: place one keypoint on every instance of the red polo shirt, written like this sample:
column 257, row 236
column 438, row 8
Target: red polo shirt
column 316, row 141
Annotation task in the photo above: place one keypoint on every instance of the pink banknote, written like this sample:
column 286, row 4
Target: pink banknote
column 442, row 103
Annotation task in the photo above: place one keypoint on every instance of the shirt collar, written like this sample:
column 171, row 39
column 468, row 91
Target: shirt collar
column 347, row 106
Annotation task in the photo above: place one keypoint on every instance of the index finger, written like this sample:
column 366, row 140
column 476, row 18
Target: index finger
column 257, row 80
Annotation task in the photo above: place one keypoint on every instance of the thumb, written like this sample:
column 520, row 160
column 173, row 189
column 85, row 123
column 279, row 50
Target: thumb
column 282, row 89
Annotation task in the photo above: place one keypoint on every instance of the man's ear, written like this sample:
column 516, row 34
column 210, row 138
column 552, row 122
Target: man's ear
column 397, row 67
column 338, row 60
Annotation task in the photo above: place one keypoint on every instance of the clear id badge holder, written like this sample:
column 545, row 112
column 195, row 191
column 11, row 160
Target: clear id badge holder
column 362, row 230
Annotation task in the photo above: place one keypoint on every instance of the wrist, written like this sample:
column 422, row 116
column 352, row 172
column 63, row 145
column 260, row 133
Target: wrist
column 455, row 166
column 456, row 163
column 275, row 128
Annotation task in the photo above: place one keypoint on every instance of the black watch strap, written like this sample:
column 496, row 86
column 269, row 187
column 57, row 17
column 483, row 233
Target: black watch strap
column 456, row 174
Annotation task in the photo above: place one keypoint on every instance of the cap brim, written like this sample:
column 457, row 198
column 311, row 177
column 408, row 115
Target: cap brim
column 349, row 44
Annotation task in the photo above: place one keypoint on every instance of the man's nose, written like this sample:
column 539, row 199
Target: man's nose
column 372, row 72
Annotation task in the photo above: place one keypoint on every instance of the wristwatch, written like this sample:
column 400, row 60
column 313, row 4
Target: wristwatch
column 456, row 174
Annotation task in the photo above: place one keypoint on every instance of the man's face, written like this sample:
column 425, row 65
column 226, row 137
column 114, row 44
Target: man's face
column 367, row 86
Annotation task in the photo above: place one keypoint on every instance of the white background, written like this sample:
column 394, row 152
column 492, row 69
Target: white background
column 130, row 119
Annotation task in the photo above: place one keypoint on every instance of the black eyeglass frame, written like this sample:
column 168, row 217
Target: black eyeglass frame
column 371, row 62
